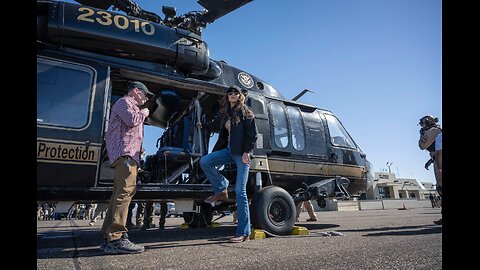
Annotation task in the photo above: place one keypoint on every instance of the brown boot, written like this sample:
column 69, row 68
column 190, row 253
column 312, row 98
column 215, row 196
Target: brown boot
column 239, row 239
column 217, row 197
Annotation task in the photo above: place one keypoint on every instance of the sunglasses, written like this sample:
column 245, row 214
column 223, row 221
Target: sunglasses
column 233, row 93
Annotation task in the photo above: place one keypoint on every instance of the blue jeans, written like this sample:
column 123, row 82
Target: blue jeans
column 220, row 183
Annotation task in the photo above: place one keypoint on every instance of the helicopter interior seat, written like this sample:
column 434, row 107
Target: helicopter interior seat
column 176, row 147
column 338, row 140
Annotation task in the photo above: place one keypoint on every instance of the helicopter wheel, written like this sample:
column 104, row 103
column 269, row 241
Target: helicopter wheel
column 273, row 210
column 199, row 220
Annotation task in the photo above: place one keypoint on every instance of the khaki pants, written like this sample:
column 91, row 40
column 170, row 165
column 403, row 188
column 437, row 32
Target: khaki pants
column 124, row 187
column 438, row 175
column 308, row 205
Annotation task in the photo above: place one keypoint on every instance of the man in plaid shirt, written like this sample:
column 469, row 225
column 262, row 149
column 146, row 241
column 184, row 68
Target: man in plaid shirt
column 124, row 139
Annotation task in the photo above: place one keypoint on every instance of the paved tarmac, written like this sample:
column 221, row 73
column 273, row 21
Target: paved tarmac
column 372, row 239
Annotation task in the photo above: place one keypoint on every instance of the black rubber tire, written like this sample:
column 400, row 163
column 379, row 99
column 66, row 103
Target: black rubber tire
column 273, row 210
column 199, row 220
column 322, row 203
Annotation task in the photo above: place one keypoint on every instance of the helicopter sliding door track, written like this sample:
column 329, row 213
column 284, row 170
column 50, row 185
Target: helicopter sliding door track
column 193, row 85
column 170, row 191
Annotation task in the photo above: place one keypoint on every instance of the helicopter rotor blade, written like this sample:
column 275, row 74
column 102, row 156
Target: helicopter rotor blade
column 217, row 9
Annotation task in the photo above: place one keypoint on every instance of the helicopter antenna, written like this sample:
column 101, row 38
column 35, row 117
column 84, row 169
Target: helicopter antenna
column 301, row 94
column 388, row 165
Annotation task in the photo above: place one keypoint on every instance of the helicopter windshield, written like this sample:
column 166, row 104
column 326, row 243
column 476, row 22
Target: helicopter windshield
column 338, row 134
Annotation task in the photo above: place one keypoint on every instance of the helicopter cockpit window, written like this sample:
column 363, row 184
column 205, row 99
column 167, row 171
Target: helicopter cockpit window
column 296, row 128
column 63, row 93
column 279, row 119
column 256, row 106
column 338, row 134
column 269, row 90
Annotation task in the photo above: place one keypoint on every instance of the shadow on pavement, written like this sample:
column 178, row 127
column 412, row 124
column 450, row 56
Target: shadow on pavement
column 400, row 231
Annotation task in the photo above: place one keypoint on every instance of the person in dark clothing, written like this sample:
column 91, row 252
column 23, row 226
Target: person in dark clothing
column 129, row 223
column 163, row 215
column 149, row 213
column 148, row 216
column 238, row 134
column 432, row 201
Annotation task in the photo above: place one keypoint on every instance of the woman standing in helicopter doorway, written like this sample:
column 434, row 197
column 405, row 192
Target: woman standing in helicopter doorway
column 236, row 140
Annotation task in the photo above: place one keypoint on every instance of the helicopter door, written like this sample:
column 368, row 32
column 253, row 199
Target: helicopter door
column 316, row 138
column 280, row 134
column 70, row 114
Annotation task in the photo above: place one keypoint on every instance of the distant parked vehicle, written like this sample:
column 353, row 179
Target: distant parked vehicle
column 170, row 210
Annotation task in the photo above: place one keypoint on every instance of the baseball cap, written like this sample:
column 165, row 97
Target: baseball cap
column 236, row 88
column 142, row 87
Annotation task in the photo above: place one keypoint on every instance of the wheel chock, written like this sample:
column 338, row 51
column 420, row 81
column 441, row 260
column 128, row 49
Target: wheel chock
column 214, row 225
column 257, row 234
column 184, row 226
column 297, row 230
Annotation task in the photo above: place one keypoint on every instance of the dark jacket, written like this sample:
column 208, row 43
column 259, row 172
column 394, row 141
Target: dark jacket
column 243, row 134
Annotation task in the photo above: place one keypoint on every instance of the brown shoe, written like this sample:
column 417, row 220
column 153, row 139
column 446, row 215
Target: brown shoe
column 239, row 239
column 223, row 195
column 438, row 222
column 217, row 197
column 211, row 199
column 312, row 219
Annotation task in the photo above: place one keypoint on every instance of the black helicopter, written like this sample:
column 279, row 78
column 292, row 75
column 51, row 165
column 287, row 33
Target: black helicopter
column 87, row 55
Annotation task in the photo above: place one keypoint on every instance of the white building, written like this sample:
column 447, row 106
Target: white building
column 386, row 192
column 388, row 186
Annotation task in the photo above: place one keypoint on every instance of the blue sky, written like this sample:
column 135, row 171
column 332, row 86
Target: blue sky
column 376, row 64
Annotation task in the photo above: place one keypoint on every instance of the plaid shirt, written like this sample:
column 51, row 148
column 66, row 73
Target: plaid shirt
column 125, row 130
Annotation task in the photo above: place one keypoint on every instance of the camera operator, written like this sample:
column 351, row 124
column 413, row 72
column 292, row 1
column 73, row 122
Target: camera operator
column 430, row 132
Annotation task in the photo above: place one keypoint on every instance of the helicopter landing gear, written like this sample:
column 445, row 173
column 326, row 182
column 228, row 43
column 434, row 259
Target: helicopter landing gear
column 199, row 220
column 273, row 210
